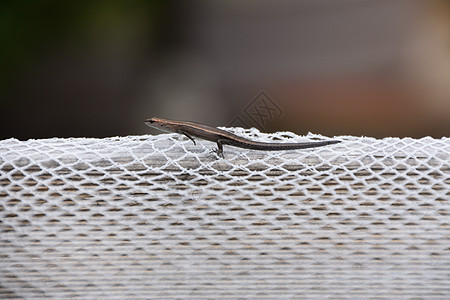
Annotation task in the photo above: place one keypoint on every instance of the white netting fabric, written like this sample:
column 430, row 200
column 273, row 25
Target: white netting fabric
column 157, row 217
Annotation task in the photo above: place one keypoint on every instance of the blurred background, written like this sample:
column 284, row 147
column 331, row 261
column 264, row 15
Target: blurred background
column 100, row 68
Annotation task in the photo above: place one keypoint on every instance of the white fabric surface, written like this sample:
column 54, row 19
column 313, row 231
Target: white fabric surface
column 159, row 217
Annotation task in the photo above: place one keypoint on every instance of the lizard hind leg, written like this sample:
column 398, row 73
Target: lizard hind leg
column 219, row 150
column 218, row 153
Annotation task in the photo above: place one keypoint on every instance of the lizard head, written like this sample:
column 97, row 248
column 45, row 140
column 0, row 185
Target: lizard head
column 160, row 124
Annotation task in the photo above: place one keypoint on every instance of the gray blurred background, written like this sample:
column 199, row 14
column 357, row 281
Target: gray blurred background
column 99, row 68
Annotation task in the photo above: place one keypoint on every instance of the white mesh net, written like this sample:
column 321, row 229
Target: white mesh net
column 158, row 217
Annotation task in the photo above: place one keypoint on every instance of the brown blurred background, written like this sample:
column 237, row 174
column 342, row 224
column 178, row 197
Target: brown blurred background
column 99, row 68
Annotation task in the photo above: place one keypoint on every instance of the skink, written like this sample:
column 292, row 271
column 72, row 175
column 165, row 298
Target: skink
column 222, row 137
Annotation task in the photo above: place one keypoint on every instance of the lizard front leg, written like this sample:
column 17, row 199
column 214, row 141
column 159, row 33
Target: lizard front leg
column 188, row 136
